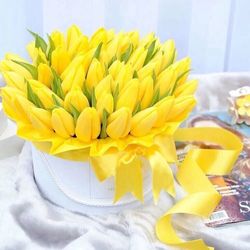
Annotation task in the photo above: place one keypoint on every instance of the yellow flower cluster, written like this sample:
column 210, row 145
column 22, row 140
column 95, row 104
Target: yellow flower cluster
column 108, row 85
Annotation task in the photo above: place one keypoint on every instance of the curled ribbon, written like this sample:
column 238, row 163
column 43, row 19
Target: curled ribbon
column 202, row 198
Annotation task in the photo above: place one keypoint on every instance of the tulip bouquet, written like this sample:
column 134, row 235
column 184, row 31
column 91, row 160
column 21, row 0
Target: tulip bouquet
column 116, row 100
column 88, row 98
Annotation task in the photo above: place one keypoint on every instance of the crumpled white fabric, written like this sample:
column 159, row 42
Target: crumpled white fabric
column 29, row 222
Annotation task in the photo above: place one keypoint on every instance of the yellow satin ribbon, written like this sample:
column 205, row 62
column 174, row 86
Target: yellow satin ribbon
column 202, row 198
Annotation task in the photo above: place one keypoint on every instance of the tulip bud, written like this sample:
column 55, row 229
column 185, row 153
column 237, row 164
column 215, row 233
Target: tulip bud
column 95, row 74
column 41, row 119
column 60, row 59
column 15, row 104
column 119, row 123
column 182, row 69
column 134, row 38
column 7, row 65
column 128, row 96
column 88, row 125
column 100, row 36
column 45, row 75
column 58, row 39
column 115, row 68
column 103, row 87
column 166, row 81
column 77, row 99
column 146, row 89
column 62, row 123
column 136, row 56
column 147, row 70
column 73, row 34
column 105, row 102
column 169, row 54
column 187, row 88
column 123, row 77
column 74, row 78
column 80, row 46
column 36, row 54
column 44, row 94
column 163, row 108
column 139, row 63
column 183, row 105
column 143, row 122
column 13, row 79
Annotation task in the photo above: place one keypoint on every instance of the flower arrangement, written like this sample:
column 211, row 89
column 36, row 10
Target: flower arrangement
column 93, row 96
column 115, row 100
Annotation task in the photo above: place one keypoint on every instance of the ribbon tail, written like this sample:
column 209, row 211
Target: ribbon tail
column 104, row 166
column 129, row 177
column 161, row 174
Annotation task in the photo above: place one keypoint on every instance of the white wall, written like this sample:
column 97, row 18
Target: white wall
column 215, row 33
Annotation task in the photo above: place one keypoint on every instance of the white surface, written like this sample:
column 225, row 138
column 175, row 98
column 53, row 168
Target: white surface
column 214, row 33
column 73, row 185
column 3, row 120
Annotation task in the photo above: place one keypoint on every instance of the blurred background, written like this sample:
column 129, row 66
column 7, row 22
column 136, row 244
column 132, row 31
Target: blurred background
column 214, row 33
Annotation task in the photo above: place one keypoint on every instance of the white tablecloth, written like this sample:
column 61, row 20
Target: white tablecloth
column 28, row 222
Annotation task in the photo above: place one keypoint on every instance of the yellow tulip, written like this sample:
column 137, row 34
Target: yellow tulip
column 115, row 68
column 15, row 104
column 137, row 58
column 147, row 70
column 74, row 78
column 182, row 69
column 7, row 65
column 143, row 121
column 73, row 34
column 95, row 74
column 62, row 123
column 123, row 77
column 44, row 94
column 128, row 96
column 169, row 51
column 105, row 102
column 100, row 36
column 119, row 123
column 60, row 59
column 41, row 119
column 103, row 87
column 183, row 105
column 146, row 90
column 75, row 63
column 166, row 81
column 123, row 44
column 36, row 54
column 188, row 88
column 88, row 125
column 148, row 39
column 45, row 75
column 13, row 79
column 32, row 51
column 163, row 108
column 80, row 46
column 134, row 38
column 77, row 99
column 58, row 39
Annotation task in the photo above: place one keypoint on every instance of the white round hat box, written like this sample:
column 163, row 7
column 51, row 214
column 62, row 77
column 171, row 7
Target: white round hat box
column 74, row 186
